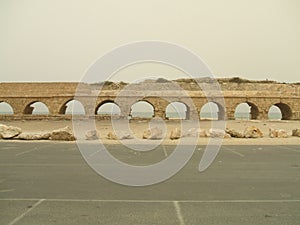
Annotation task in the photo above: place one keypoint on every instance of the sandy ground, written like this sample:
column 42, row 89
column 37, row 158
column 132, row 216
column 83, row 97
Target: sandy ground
column 139, row 126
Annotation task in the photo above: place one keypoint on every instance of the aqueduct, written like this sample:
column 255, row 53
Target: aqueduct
column 260, row 96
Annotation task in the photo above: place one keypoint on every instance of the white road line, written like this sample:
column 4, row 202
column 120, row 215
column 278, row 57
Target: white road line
column 22, row 153
column 8, row 148
column 165, row 151
column 157, row 201
column 178, row 212
column 288, row 148
column 234, row 152
column 40, row 164
column 284, row 147
column 26, row 212
column 237, row 153
column 94, row 153
column 6, row 190
column 294, row 150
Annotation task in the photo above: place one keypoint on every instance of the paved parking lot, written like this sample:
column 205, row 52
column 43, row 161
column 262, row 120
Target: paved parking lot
column 50, row 183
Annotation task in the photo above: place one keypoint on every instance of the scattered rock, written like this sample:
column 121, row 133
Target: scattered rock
column 218, row 133
column 203, row 133
column 112, row 136
column 175, row 134
column 227, row 135
column 296, row 132
column 253, row 132
column 195, row 132
column 124, row 135
column 91, row 135
column 8, row 132
column 147, row 134
column 62, row 134
column 153, row 134
column 234, row 133
column 31, row 136
column 119, row 136
column 273, row 133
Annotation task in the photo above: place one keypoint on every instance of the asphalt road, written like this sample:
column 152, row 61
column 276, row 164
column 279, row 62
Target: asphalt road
column 50, row 183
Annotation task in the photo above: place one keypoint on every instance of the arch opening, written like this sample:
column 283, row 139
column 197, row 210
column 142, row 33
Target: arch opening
column 6, row 109
column 246, row 110
column 212, row 111
column 177, row 110
column 142, row 109
column 280, row 111
column 36, row 108
column 72, row 107
column 108, row 108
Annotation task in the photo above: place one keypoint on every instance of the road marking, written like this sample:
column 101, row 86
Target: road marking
column 8, row 148
column 22, row 153
column 156, row 201
column 178, row 212
column 165, row 151
column 237, row 153
column 94, row 153
column 294, row 150
column 6, row 190
column 288, row 148
column 284, row 147
column 26, row 212
column 40, row 164
column 234, row 152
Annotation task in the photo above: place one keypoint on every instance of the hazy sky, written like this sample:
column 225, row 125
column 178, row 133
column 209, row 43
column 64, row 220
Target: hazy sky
column 48, row 40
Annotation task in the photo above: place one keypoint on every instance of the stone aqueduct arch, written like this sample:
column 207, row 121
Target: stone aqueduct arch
column 254, row 111
column 285, row 109
column 99, row 104
column 55, row 96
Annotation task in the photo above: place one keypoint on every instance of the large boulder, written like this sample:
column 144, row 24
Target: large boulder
column 175, row 134
column 253, row 132
column 33, row 136
column 154, row 133
column 8, row 132
column 62, row 134
column 91, row 135
column 296, row 132
column 234, row 133
column 273, row 133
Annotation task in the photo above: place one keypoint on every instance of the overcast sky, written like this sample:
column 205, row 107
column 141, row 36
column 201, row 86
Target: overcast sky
column 48, row 40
